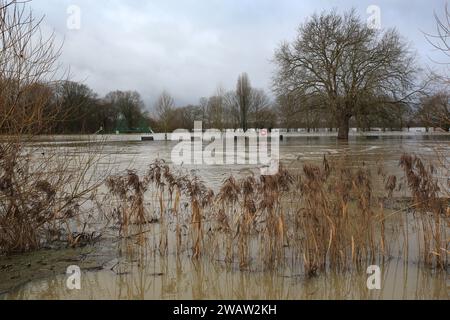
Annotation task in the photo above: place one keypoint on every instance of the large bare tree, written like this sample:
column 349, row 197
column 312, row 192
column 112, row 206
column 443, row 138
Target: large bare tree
column 340, row 57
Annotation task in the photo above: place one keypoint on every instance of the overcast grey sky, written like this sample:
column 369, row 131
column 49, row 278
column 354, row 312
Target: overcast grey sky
column 190, row 47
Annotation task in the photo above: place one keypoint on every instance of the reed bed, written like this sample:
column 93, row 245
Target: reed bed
column 432, row 211
column 326, row 217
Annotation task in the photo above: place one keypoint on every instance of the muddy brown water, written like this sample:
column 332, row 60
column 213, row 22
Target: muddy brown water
column 110, row 272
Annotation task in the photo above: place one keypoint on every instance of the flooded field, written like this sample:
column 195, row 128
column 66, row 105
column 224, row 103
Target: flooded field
column 133, row 268
column 186, row 280
column 126, row 152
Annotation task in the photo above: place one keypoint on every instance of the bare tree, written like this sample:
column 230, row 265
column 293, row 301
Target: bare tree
column 164, row 108
column 261, row 114
column 342, row 58
column 247, row 106
column 216, row 110
column 204, row 108
column 287, row 111
column 130, row 106
column 243, row 95
column 27, row 58
column 77, row 103
column 40, row 192
column 435, row 111
column 441, row 39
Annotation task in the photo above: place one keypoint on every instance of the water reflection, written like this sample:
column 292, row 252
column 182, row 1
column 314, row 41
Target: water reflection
column 171, row 278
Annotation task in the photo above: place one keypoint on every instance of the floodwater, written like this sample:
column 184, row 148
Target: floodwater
column 120, row 153
column 134, row 271
column 185, row 280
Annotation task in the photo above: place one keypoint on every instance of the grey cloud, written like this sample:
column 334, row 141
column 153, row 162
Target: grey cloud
column 190, row 47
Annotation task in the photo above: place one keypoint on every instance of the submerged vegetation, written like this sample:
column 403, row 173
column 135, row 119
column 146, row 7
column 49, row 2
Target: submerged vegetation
column 433, row 211
column 326, row 217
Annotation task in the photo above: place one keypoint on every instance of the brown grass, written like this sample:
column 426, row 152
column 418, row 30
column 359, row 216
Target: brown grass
column 326, row 217
column 432, row 210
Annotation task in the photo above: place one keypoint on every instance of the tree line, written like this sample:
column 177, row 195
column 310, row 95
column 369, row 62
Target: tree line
column 337, row 73
column 77, row 109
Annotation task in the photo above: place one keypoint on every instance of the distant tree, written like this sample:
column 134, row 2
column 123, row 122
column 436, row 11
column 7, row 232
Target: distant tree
column 379, row 112
column 243, row 99
column 232, row 117
column 107, row 116
column 37, row 94
column 76, row 102
column 307, row 111
column 130, row 106
column 202, row 111
column 261, row 114
column 343, row 59
column 435, row 111
column 246, row 106
column 287, row 111
column 216, row 110
column 165, row 111
column 185, row 117
column 217, row 113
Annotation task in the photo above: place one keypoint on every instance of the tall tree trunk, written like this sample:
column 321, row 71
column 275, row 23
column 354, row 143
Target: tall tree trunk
column 344, row 127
